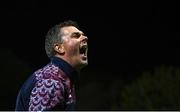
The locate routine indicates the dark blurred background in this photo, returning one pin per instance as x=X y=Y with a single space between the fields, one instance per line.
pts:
x=133 y=54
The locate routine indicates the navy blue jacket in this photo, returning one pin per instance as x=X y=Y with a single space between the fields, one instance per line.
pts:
x=50 y=88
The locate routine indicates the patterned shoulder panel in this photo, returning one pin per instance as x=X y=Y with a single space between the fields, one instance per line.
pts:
x=48 y=91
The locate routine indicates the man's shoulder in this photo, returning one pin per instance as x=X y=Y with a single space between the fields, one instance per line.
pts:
x=48 y=89
x=50 y=71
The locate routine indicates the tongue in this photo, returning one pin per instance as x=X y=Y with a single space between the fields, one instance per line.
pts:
x=83 y=54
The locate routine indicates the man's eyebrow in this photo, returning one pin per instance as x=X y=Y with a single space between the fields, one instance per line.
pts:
x=81 y=33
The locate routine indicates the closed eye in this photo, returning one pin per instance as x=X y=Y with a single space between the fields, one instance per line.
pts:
x=76 y=34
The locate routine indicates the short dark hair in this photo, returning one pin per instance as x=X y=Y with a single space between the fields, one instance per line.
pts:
x=54 y=35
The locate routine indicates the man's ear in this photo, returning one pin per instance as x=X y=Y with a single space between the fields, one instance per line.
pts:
x=59 y=48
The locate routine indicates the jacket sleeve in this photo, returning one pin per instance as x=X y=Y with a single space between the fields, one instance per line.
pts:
x=47 y=94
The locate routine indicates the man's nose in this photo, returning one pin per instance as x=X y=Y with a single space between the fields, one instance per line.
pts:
x=85 y=39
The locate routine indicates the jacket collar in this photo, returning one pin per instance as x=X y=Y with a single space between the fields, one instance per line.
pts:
x=66 y=67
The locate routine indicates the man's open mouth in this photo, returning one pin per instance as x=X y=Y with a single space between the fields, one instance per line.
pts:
x=83 y=51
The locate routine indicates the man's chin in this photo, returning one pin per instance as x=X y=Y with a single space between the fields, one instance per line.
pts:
x=84 y=63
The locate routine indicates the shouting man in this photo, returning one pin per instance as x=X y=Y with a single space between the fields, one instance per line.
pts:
x=52 y=87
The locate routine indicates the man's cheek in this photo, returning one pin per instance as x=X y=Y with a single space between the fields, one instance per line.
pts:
x=73 y=50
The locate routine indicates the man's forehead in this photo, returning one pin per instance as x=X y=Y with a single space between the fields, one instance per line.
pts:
x=70 y=29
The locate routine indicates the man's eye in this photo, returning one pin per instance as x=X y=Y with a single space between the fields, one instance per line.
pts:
x=76 y=35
